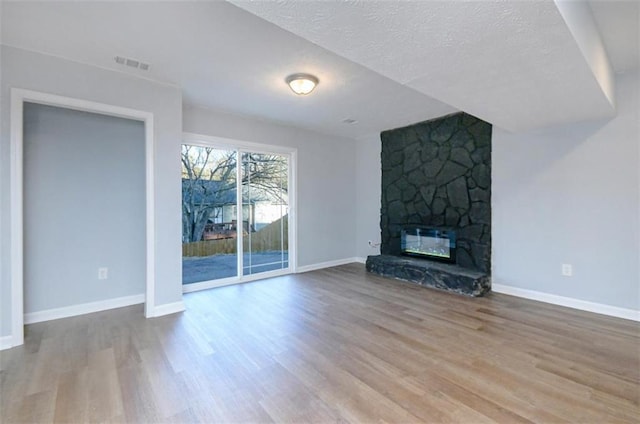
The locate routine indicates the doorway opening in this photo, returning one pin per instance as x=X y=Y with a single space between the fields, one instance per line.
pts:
x=18 y=99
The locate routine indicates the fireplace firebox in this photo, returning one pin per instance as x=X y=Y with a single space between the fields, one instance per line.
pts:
x=428 y=242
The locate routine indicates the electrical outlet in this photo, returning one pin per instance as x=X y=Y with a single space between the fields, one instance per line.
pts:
x=103 y=273
x=567 y=270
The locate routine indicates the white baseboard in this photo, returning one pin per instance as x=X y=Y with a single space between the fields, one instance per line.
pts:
x=6 y=342
x=329 y=264
x=83 y=308
x=598 y=308
x=360 y=260
x=166 y=309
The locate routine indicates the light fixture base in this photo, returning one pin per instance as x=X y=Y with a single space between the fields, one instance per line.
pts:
x=302 y=84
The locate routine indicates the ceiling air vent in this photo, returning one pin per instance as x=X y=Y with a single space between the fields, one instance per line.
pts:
x=132 y=63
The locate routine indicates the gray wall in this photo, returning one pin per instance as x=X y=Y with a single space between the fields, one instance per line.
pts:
x=49 y=74
x=571 y=195
x=326 y=179
x=368 y=195
x=84 y=207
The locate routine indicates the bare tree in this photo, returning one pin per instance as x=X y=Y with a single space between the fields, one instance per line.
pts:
x=264 y=177
x=209 y=182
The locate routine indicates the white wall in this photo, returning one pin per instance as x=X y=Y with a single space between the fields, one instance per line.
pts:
x=571 y=195
x=369 y=186
x=48 y=74
x=326 y=179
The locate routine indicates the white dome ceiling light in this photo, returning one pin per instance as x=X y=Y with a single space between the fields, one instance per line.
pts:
x=302 y=84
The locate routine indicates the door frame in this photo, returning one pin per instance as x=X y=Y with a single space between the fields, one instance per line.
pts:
x=247 y=146
x=18 y=98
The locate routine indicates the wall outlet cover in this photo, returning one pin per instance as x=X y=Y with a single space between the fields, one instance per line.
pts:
x=103 y=273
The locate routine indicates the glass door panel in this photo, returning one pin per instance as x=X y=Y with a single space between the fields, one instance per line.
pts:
x=265 y=212
x=209 y=214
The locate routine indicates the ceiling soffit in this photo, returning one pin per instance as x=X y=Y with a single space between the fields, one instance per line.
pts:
x=518 y=65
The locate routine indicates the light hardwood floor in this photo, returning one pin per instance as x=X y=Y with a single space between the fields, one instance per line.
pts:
x=335 y=345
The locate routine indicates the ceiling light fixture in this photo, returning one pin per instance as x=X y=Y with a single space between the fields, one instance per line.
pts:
x=302 y=84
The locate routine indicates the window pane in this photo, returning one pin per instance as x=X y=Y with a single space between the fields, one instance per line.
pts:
x=265 y=212
x=209 y=214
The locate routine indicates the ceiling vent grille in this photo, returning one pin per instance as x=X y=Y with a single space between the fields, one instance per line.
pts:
x=132 y=63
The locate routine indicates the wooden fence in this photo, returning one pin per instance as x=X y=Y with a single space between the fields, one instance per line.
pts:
x=266 y=239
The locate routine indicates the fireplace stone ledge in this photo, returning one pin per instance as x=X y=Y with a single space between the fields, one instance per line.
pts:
x=432 y=274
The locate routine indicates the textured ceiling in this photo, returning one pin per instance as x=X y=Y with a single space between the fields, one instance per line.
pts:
x=382 y=63
x=513 y=63
x=223 y=58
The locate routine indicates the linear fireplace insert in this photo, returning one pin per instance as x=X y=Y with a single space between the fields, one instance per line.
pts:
x=428 y=242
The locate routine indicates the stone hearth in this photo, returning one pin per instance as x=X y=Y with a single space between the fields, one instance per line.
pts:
x=432 y=274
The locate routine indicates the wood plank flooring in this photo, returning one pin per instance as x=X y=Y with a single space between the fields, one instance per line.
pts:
x=335 y=345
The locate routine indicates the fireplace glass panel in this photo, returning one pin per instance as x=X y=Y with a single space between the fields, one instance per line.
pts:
x=429 y=243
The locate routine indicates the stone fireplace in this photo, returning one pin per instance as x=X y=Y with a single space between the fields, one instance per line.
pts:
x=437 y=174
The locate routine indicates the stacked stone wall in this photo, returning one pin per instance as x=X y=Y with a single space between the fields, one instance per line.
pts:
x=438 y=174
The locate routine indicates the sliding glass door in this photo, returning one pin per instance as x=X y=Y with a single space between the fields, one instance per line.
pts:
x=235 y=214
x=265 y=209
x=209 y=214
